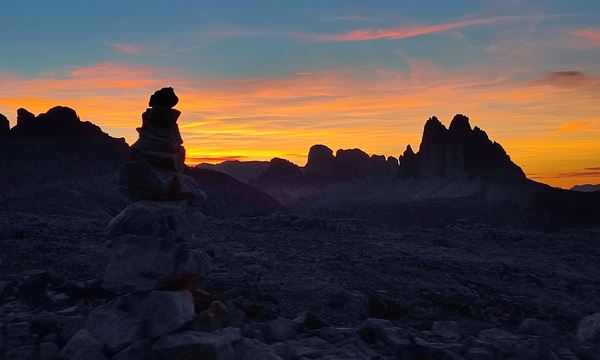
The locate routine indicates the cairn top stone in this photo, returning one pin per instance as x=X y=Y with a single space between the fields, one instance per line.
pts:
x=164 y=97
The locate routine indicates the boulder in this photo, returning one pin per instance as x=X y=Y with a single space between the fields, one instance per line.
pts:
x=141 y=179
x=281 y=329
x=148 y=218
x=588 y=329
x=114 y=327
x=161 y=311
x=140 y=263
x=195 y=345
x=133 y=317
x=83 y=340
x=137 y=351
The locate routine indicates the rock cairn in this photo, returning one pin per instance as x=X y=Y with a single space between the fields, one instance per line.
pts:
x=157 y=166
x=153 y=273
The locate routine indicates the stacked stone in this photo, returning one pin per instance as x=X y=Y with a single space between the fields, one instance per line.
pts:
x=154 y=273
x=157 y=166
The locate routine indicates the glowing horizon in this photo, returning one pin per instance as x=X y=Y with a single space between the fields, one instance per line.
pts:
x=253 y=88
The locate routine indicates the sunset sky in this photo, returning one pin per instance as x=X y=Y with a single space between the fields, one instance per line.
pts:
x=258 y=79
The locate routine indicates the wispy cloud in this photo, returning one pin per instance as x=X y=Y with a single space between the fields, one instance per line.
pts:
x=565 y=78
x=573 y=126
x=589 y=34
x=404 y=32
x=352 y=18
x=126 y=49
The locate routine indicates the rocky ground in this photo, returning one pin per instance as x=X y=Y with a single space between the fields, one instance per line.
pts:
x=302 y=287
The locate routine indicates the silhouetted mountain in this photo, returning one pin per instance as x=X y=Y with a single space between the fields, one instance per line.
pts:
x=244 y=171
x=4 y=125
x=52 y=157
x=228 y=197
x=458 y=153
x=321 y=162
x=280 y=172
x=586 y=188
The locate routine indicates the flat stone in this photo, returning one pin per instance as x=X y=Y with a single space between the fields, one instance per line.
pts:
x=148 y=218
x=139 y=263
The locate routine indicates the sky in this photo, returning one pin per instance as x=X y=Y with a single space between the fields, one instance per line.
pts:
x=259 y=79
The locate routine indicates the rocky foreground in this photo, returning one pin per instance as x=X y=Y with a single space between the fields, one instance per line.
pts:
x=296 y=287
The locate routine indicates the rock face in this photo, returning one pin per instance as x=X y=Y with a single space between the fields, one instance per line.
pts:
x=280 y=172
x=458 y=152
x=4 y=125
x=156 y=169
x=321 y=162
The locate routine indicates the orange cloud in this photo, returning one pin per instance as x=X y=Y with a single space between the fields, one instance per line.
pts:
x=380 y=110
x=592 y=35
x=399 y=33
x=572 y=126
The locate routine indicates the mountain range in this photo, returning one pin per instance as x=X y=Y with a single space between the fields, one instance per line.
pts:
x=59 y=164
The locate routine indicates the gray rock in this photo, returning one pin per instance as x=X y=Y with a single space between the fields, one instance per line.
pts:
x=133 y=317
x=70 y=325
x=139 y=263
x=139 y=350
x=160 y=311
x=114 y=328
x=479 y=353
x=141 y=179
x=48 y=350
x=281 y=329
x=148 y=218
x=24 y=352
x=588 y=329
x=88 y=354
x=252 y=349
x=537 y=327
x=193 y=345
x=297 y=350
x=447 y=330
x=18 y=330
x=82 y=341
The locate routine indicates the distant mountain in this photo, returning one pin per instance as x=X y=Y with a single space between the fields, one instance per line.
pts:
x=54 y=162
x=586 y=188
x=458 y=153
x=244 y=171
x=228 y=197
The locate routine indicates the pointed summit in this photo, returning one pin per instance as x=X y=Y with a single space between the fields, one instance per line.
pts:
x=458 y=153
x=460 y=125
x=4 y=125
